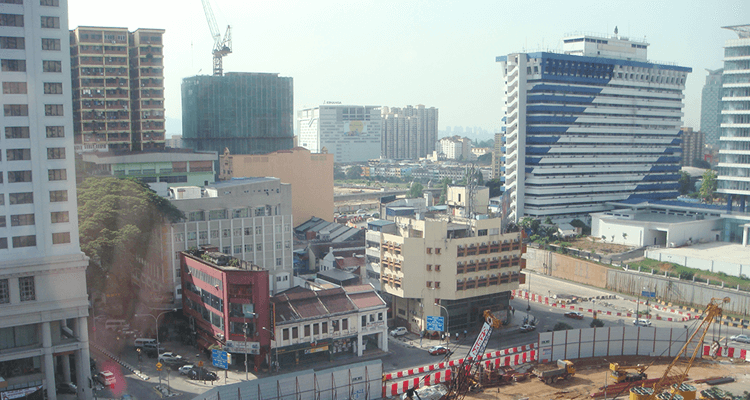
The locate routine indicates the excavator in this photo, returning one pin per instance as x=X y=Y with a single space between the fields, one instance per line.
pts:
x=619 y=372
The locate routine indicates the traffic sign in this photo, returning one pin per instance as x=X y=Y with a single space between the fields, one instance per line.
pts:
x=200 y=363
x=435 y=323
x=646 y=293
x=219 y=359
x=158 y=366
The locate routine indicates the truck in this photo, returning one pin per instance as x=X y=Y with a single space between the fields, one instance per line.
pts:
x=554 y=372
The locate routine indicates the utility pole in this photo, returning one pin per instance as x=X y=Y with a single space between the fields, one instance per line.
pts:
x=246 y=373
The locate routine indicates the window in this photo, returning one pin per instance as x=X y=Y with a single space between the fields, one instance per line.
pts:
x=429 y=267
x=52 y=88
x=214 y=234
x=11 y=20
x=285 y=334
x=295 y=332
x=278 y=245
x=380 y=316
x=51 y=22
x=2 y=225
x=237 y=232
x=4 y=292
x=226 y=250
x=56 y=196
x=287 y=244
x=345 y=324
x=60 y=217
x=248 y=248
x=61 y=238
x=324 y=327
x=21 y=198
x=53 y=110
x=248 y=231
x=196 y=216
x=429 y=284
x=12 y=43
x=278 y=262
x=24 y=241
x=16 y=132
x=437 y=267
x=26 y=287
x=14 y=88
x=259 y=247
x=56 y=153
x=51 y=44
x=192 y=235
x=16 y=110
x=19 y=176
x=51 y=66
x=437 y=250
x=13 y=65
x=307 y=330
x=17 y=154
x=258 y=230
x=238 y=249
x=437 y=285
x=50 y=3
x=225 y=233
x=316 y=329
x=335 y=325
x=179 y=237
x=429 y=250
x=22 y=219
x=203 y=235
x=55 y=131
x=57 y=174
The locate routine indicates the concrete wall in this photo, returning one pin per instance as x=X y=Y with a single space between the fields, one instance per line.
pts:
x=566 y=267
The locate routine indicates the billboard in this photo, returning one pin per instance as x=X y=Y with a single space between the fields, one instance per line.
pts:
x=354 y=128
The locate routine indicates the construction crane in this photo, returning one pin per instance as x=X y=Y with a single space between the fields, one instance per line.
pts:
x=222 y=47
x=462 y=378
x=713 y=311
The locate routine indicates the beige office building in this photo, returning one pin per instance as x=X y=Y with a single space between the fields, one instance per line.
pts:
x=310 y=174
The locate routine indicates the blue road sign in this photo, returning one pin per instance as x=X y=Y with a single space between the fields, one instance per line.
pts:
x=219 y=359
x=646 y=293
x=435 y=323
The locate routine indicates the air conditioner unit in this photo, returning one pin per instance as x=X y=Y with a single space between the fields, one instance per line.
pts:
x=220 y=336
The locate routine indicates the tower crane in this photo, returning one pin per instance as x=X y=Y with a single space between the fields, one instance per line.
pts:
x=222 y=47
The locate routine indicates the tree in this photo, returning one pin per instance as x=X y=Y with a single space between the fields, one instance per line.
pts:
x=496 y=187
x=708 y=186
x=561 y=326
x=699 y=163
x=685 y=183
x=596 y=323
x=548 y=221
x=354 y=172
x=485 y=159
x=338 y=173
x=415 y=190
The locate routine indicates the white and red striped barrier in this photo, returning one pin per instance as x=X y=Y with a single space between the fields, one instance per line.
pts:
x=730 y=352
x=455 y=363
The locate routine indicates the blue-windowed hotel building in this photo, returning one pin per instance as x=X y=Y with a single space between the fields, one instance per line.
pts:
x=596 y=123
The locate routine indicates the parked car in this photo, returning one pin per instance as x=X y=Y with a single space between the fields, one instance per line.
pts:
x=641 y=322
x=202 y=374
x=438 y=350
x=740 y=338
x=527 y=328
x=169 y=357
x=185 y=369
x=400 y=331
x=574 y=315
x=66 y=388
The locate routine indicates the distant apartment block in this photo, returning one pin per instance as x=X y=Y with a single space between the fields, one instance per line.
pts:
x=174 y=142
x=118 y=88
x=408 y=132
x=711 y=107
x=246 y=112
x=455 y=148
x=596 y=124
x=692 y=145
x=311 y=177
x=350 y=133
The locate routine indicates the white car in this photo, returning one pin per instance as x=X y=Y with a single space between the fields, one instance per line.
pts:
x=641 y=322
x=400 y=331
x=740 y=338
x=169 y=357
x=185 y=369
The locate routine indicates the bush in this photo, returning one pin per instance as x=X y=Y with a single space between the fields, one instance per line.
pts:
x=561 y=326
x=596 y=323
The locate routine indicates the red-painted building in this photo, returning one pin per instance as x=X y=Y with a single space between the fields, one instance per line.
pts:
x=222 y=296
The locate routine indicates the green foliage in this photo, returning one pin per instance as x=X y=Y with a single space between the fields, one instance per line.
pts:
x=561 y=326
x=548 y=221
x=596 y=323
x=496 y=187
x=354 y=172
x=708 y=187
x=338 y=173
x=577 y=223
x=698 y=163
x=415 y=191
x=444 y=192
x=686 y=185
x=485 y=159
x=485 y=143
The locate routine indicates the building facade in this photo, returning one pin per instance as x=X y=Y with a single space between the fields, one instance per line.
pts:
x=118 y=88
x=408 y=132
x=249 y=219
x=228 y=304
x=311 y=177
x=455 y=148
x=692 y=145
x=711 y=107
x=43 y=299
x=598 y=123
x=447 y=264
x=734 y=161
x=350 y=133
x=248 y=113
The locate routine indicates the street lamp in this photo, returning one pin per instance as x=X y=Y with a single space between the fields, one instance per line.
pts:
x=156 y=323
x=246 y=329
x=276 y=350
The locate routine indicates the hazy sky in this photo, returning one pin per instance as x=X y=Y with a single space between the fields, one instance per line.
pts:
x=437 y=53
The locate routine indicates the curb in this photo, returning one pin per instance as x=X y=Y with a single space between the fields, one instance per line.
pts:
x=117 y=360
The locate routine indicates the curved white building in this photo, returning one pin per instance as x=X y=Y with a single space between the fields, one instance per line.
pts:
x=597 y=123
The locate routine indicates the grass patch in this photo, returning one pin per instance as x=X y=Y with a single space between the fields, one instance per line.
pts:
x=685 y=273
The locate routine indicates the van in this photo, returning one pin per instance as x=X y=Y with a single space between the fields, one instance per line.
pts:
x=641 y=322
x=115 y=324
x=105 y=378
x=144 y=342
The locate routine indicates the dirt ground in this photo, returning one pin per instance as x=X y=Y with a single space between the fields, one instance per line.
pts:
x=601 y=247
x=590 y=378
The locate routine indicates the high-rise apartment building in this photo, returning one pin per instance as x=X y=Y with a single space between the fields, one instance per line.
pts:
x=597 y=123
x=692 y=146
x=711 y=107
x=350 y=133
x=118 y=88
x=43 y=300
x=455 y=148
x=734 y=145
x=248 y=113
x=408 y=132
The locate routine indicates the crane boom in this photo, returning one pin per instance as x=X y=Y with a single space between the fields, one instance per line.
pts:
x=222 y=47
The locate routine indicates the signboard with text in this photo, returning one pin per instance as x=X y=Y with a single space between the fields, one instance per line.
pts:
x=219 y=359
x=235 y=346
x=435 y=323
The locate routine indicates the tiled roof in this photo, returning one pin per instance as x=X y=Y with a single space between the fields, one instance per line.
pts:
x=301 y=303
x=366 y=300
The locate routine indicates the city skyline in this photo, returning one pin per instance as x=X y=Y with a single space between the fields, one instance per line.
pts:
x=339 y=53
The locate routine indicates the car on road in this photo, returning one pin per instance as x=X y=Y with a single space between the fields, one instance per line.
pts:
x=202 y=374
x=438 y=350
x=185 y=369
x=740 y=338
x=169 y=357
x=400 y=331
x=573 y=314
x=66 y=388
x=105 y=378
x=527 y=328
x=641 y=322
